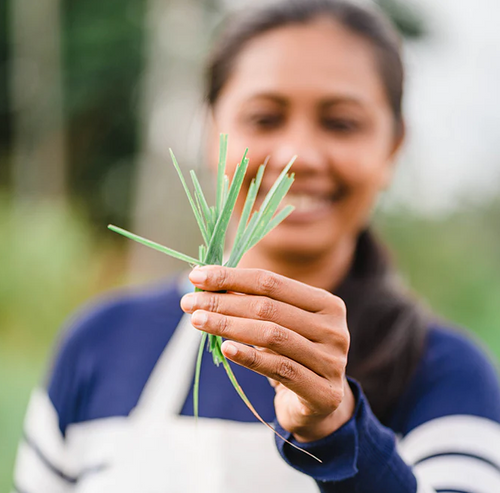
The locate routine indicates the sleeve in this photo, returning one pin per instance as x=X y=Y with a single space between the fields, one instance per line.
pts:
x=43 y=462
x=450 y=444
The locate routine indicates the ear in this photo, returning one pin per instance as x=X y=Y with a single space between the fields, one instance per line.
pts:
x=398 y=143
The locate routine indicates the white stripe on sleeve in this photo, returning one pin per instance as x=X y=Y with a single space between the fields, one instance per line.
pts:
x=42 y=463
x=454 y=453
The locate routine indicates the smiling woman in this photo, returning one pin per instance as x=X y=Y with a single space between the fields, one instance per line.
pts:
x=314 y=309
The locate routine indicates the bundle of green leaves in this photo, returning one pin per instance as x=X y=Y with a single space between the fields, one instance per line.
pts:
x=213 y=222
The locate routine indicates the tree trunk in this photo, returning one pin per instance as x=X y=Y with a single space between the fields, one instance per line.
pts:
x=171 y=117
x=36 y=94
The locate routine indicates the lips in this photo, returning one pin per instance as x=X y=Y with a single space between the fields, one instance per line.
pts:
x=307 y=202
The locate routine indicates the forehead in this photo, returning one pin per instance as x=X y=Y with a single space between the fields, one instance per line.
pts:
x=316 y=59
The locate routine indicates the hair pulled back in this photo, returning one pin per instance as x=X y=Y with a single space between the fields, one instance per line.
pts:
x=387 y=327
x=364 y=20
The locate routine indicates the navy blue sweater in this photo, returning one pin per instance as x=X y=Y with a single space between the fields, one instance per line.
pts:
x=107 y=354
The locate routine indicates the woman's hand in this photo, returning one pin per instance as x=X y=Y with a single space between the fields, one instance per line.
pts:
x=300 y=336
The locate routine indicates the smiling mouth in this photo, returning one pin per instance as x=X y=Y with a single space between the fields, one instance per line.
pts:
x=307 y=202
x=310 y=206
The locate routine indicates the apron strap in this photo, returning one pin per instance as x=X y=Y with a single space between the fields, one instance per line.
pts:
x=167 y=387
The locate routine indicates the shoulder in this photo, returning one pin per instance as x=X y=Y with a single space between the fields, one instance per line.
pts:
x=120 y=315
x=98 y=371
x=454 y=377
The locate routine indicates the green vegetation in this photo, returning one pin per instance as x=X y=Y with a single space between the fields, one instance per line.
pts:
x=50 y=263
x=454 y=264
x=213 y=223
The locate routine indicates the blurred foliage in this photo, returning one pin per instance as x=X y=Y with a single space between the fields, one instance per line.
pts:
x=103 y=58
x=5 y=122
x=409 y=20
x=453 y=263
x=103 y=45
x=51 y=261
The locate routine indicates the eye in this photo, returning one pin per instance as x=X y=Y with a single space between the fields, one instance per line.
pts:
x=340 y=125
x=265 y=121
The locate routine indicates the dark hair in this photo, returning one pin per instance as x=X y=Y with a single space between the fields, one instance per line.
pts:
x=368 y=22
x=387 y=327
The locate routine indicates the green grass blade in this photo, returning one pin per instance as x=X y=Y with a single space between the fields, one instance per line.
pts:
x=214 y=346
x=221 y=171
x=277 y=184
x=279 y=218
x=216 y=246
x=247 y=402
x=225 y=189
x=249 y=203
x=256 y=228
x=270 y=209
x=202 y=201
x=156 y=246
x=196 y=388
x=196 y=212
x=202 y=251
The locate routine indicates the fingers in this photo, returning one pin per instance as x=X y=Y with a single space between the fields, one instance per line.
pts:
x=320 y=395
x=263 y=283
x=315 y=327
x=274 y=337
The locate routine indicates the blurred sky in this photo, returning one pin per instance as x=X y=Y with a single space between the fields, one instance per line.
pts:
x=453 y=107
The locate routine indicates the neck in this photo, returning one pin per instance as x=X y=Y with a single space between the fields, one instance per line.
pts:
x=322 y=271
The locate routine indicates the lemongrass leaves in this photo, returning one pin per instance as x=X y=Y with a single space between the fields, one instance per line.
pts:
x=156 y=246
x=213 y=222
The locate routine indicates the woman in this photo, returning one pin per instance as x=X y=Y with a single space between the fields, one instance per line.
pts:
x=354 y=365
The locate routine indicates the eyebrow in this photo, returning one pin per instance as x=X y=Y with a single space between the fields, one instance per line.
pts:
x=325 y=103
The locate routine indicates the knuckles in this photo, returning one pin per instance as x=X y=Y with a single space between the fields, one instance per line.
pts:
x=253 y=360
x=219 y=278
x=335 y=396
x=223 y=326
x=267 y=282
x=286 y=371
x=265 y=309
x=334 y=305
x=275 y=336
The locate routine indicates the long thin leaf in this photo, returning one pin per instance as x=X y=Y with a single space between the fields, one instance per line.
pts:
x=246 y=400
x=221 y=170
x=249 y=203
x=200 y=196
x=196 y=212
x=196 y=388
x=256 y=227
x=279 y=218
x=156 y=246
x=214 y=254
x=270 y=209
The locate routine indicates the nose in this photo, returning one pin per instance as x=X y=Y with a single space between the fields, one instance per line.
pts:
x=300 y=139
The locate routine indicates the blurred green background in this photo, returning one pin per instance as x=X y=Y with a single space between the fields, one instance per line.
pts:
x=79 y=87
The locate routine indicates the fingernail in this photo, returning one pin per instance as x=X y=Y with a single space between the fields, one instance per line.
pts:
x=188 y=302
x=199 y=318
x=198 y=275
x=230 y=349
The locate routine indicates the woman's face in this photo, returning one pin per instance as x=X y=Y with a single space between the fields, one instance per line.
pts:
x=313 y=90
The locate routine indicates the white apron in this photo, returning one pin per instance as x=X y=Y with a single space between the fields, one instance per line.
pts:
x=155 y=450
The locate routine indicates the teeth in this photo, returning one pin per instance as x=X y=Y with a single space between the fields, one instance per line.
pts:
x=305 y=202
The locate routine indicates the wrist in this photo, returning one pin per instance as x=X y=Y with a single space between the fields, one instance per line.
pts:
x=327 y=425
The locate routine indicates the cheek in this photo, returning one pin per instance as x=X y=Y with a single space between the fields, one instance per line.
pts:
x=364 y=166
